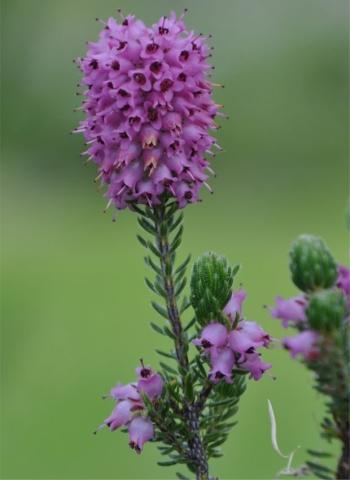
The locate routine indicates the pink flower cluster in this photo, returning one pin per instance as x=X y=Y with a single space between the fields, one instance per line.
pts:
x=292 y=312
x=234 y=347
x=130 y=407
x=148 y=108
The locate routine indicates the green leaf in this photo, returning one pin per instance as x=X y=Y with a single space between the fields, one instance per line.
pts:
x=156 y=328
x=143 y=242
x=159 y=309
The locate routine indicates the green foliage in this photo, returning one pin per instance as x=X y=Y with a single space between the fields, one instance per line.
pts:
x=327 y=310
x=192 y=410
x=312 y=264
x=211 y=286
x=221 y=408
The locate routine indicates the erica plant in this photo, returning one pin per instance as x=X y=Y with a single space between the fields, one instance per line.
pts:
x=321 y=315
x=149 y=111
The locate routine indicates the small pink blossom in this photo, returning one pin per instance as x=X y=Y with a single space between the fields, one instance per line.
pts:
x=213 y=335
x=343 y=281
x=150 y=383
x=141 y=430
x=304 y=344
x=290 y=310
x=234 y=306
x=255 y=365
x=222 y=360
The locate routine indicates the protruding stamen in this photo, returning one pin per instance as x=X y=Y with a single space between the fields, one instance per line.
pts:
x=98 y=176
x=108 y=205
x=208 y=187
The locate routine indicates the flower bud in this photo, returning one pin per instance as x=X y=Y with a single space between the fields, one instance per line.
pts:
x=312 y=264
x=327 y=309
x=211 y=285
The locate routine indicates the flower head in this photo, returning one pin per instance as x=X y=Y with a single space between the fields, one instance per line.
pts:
x=290 y=310
x=141 y=430
x=149 y=109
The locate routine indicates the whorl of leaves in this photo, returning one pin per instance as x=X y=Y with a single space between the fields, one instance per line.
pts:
x=211 y=286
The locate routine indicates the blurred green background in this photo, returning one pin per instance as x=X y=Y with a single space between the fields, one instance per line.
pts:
x=75 y=310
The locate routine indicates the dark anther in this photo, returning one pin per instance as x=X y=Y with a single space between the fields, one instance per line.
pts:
x=94 y=64
x=152 y=48
x=122 y=45
x=166 y=84
x=184 y=55
x=139 y=78
x=152 y=114
x=115 y=65
x=155 y=67
x=123 y=93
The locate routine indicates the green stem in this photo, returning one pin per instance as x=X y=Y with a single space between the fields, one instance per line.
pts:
x=191 y=411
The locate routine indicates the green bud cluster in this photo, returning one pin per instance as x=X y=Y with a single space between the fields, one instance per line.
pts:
x=327 y=310
x=311 y=264
x=211 y=286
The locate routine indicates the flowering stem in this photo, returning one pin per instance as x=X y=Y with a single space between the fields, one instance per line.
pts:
x=191 y=411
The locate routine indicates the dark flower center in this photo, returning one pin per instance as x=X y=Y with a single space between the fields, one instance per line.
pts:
x=122 y=45
x=184 y=55
x=133 y=120
x=125 y=108
x=152 y=48
x=115 y=65
x=123 y=93
x=182 y=77
x=219 y=375
x=163 y=31
x=125 y=22
x=155 y=67
x=94 y=64
x=139 y=78
x=166 y=84
x=175 y=145
x=152 y=114
x=123 y=135
x=188 y=196
x=110 y=85
x=205 y=343
x=145 y=372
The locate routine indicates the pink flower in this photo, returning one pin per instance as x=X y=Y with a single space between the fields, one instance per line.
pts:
x=304 y=344
x=290 y=310
x=213 y=335
x=140 y=431
x=121 y=414
x=150 y=383
x=147 y=89
x=125 y=392
x=343 y=281
x=254 y=332
x=255 y=365
x=222 y=360
x=234 y=305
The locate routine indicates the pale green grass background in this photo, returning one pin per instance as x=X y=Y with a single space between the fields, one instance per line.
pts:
x=75 y=310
